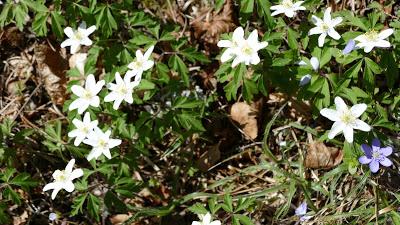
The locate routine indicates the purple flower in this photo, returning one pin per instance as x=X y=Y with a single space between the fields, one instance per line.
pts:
x=349 y=47
x=375 y=155
x=301 y=212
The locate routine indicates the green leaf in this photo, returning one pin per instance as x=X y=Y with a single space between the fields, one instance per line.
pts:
x=20 y=15
x=176 y=63
x=353 y=71
x=249 y=89
x=198 y=209
x=57 y=22
x=228 y=206
x=355 y=21
x=246 y=6
x=193 y=55
x=5 y=13
x=23 y=180
x=375 y=68
x=292 y=39
x=4 y=217
x=36 y=6
x=244 y=220
x=185 y=103
x=78 y=204
x=39 y=25
x=11 y=195
x=93 y=205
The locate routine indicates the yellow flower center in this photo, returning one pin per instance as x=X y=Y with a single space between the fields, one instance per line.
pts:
x=85 y=130
x=61 y=177
x=87 y=95
x=372 y=35
x=122 y=90
x=79 y=36
x=348 y=118
x=325 y=27
x=287 y=3
x=247 y=50
x=102 y=143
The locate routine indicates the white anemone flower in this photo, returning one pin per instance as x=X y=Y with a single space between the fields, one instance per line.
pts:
x=78 y=61
x=140 y=64
x=231 y=45
x=206 y=220
x=243 y=50
x=325 y=27
x=121 y=91
x=78 y=37
x=82 y=128
x=288 y=7
x=63 y=179
x=86 y=96
x=101 y=143
x=314 y=62
x=346 y=120
x=373 y=39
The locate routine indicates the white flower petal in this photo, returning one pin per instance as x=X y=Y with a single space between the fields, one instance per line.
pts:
x=331 y=114
x=69 y=186
x=361 y=125
x=321 y=39
x=358 y=109
x=314 y=63
x=348 y=133
x=337 y=127
x=332 y=33
x=340 y=104
x=385 y=33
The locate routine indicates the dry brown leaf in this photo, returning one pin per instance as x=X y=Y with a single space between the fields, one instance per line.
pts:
x=246 y=116
x=209 y=158
x=209 y=24
x=119 y=219
x=21 y=219
x=51 y=67
x=319 y=156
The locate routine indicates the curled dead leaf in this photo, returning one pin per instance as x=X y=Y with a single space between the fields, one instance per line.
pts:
x=246 y=116
x=319 y=156
x=209 y=24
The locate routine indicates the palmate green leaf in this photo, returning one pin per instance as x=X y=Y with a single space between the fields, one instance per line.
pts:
x=23 y=180
x=244 y=220
x=93 y=206
x=20 y=13
x=190 y=122
x=177 y=64
x=375 y=68
x=227 y=205
x=39 y=24
x=5 y=15
x=354 y=70
x=249 y=89
x=198 y=209
x=193 y=55
x=77 y=206
x=36 y=5
x=11 y=195
x=57 y=23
